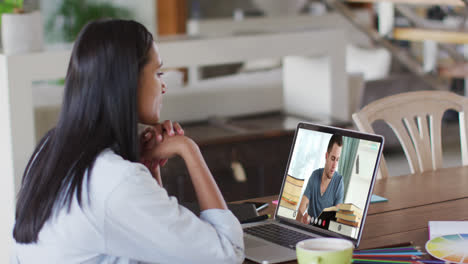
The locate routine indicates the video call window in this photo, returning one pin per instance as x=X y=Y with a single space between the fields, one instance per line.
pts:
x=328 y=181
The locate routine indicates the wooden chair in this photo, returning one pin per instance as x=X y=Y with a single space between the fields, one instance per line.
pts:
x=416 y=119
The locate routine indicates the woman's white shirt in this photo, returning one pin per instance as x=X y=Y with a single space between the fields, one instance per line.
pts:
x=129 y=218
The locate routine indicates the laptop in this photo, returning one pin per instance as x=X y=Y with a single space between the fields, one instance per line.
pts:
x=326 y=192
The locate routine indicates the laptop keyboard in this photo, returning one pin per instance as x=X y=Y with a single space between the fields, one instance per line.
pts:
x=277 y=234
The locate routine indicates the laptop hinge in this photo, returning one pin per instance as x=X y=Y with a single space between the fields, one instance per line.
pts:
x=318 y=231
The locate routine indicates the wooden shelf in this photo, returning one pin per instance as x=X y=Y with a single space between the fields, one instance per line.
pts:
x=416 y=34
x=414 y=2
x=459 y=70
x=251 y=127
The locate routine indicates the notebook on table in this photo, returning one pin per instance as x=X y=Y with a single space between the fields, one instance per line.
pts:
x=442 y=228
x=326 y=192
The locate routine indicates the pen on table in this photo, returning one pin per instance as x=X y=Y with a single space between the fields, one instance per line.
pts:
x=414 y=253
x=360 y=261
x=256 y=219
x=388 y=249
x=405 y=244
x=402 y=258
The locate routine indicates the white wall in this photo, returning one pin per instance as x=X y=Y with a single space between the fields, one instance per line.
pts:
x=7 y=196
x=307 y=85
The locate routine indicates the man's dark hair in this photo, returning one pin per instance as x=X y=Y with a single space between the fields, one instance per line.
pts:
x=335 y=139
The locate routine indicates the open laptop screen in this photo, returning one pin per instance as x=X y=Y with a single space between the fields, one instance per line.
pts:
x=329 y=179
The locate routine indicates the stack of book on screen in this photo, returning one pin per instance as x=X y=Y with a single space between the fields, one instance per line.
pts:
x=348 y=220
x=291 y=192
x=392 y=255
x=349 y=214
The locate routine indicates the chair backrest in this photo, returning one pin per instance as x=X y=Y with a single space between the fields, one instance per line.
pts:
x=415 y=118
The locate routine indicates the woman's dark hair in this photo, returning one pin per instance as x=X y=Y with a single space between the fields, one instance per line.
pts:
x=99 y=111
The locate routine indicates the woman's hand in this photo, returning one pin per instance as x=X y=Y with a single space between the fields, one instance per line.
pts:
x=150 y=138
x=170 y=144
x=175 y=145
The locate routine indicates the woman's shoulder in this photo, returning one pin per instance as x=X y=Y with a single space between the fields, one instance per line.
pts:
x=109 y=161
x=110 y=170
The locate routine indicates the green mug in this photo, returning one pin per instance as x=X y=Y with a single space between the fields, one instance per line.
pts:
x=324 y=251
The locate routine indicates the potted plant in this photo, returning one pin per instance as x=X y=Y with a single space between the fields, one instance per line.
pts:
x=71 y=15
x=21 y=31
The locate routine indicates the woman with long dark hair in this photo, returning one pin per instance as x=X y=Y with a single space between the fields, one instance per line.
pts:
x=85 y=198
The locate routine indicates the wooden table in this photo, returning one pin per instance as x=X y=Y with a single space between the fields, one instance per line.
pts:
x=414 y=200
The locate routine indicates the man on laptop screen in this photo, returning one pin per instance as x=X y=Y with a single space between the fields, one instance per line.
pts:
x=325 y=187
x=326 y=192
